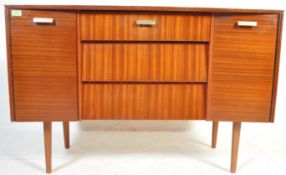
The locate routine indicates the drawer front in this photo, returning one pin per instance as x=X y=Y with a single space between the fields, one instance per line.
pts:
x=144 y=101
x=144 y=62
x=242 y=68
x=44 y=66
x=131 y=26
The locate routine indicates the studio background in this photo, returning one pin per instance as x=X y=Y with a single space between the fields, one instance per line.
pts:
x=144 y=147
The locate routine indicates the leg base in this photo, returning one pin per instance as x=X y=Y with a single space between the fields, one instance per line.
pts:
x=66 y=129
x=48 y=145
x=235 y=144
x=214 y=134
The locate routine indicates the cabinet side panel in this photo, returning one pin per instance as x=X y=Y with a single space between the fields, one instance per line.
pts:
x=277 y=63
x=9 y=62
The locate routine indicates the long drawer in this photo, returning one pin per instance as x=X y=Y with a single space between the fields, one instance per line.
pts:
x=144 y=101
x=142 y=26
x=164 y=62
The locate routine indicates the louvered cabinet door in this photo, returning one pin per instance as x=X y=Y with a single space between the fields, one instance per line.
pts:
x=43 y=57
x=242 y=67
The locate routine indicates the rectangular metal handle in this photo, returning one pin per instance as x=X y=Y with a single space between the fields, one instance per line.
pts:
x=146 y=22
x=247 y=23
x=43 y=20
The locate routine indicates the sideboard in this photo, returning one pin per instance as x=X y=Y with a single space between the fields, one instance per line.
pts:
x=73 y=63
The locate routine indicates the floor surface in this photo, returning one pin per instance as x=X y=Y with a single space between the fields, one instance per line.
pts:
x=143 y=148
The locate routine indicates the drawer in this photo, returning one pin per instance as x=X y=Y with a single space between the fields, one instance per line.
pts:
x=165 y=62
x=144 y=26
x=144 y=101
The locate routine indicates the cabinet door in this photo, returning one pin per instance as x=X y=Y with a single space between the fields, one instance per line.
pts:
x=242 y=67
x=43 y=65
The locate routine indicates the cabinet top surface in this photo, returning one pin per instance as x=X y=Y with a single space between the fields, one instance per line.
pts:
x=140 y=8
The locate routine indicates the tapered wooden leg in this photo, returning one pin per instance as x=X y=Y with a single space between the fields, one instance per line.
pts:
x=214 y=133
x=66 y=128
x=48 y=145
x=235 y=145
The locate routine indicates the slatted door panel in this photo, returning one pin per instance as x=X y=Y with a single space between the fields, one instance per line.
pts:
x=242 y=68
x=44 y=66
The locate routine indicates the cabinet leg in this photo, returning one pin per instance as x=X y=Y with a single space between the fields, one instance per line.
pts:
x=48 y=145
x=66 y=128
x=214 y=133
x=235 y=144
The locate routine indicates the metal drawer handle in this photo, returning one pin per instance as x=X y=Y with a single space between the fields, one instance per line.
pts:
x=145 y=22
x=43 y=20
x=247 y=23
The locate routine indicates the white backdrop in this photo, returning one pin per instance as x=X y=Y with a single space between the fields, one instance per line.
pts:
x=253 y=130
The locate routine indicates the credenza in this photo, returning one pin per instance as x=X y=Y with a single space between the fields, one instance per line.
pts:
x=73 y=63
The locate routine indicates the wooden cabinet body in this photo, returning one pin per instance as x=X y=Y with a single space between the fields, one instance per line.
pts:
x=69 y=63
x=104 y=65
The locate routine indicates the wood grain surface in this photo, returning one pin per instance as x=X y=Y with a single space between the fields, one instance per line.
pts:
x=158 y=62
x=113 y=49
x=235 y=145
x=241 y=101
x=144 y=101
x=277 y=65
x=244 y=54
x=122 y=26
x=9 y=63
x=47 y=127
x=44 y=66
x=45 y=99
x=143 y=9
x=242 y=68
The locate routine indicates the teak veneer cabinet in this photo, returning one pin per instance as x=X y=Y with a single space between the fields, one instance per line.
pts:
x=72 y=63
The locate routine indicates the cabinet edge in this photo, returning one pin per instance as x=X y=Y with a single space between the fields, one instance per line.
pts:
x=276 y=68
x=9 y=63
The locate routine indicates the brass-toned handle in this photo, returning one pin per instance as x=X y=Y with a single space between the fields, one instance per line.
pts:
x=247 y=23
x=145 y=22
x=43 y=20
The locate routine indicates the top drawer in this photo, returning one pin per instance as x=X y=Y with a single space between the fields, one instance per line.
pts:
x=148 y=27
